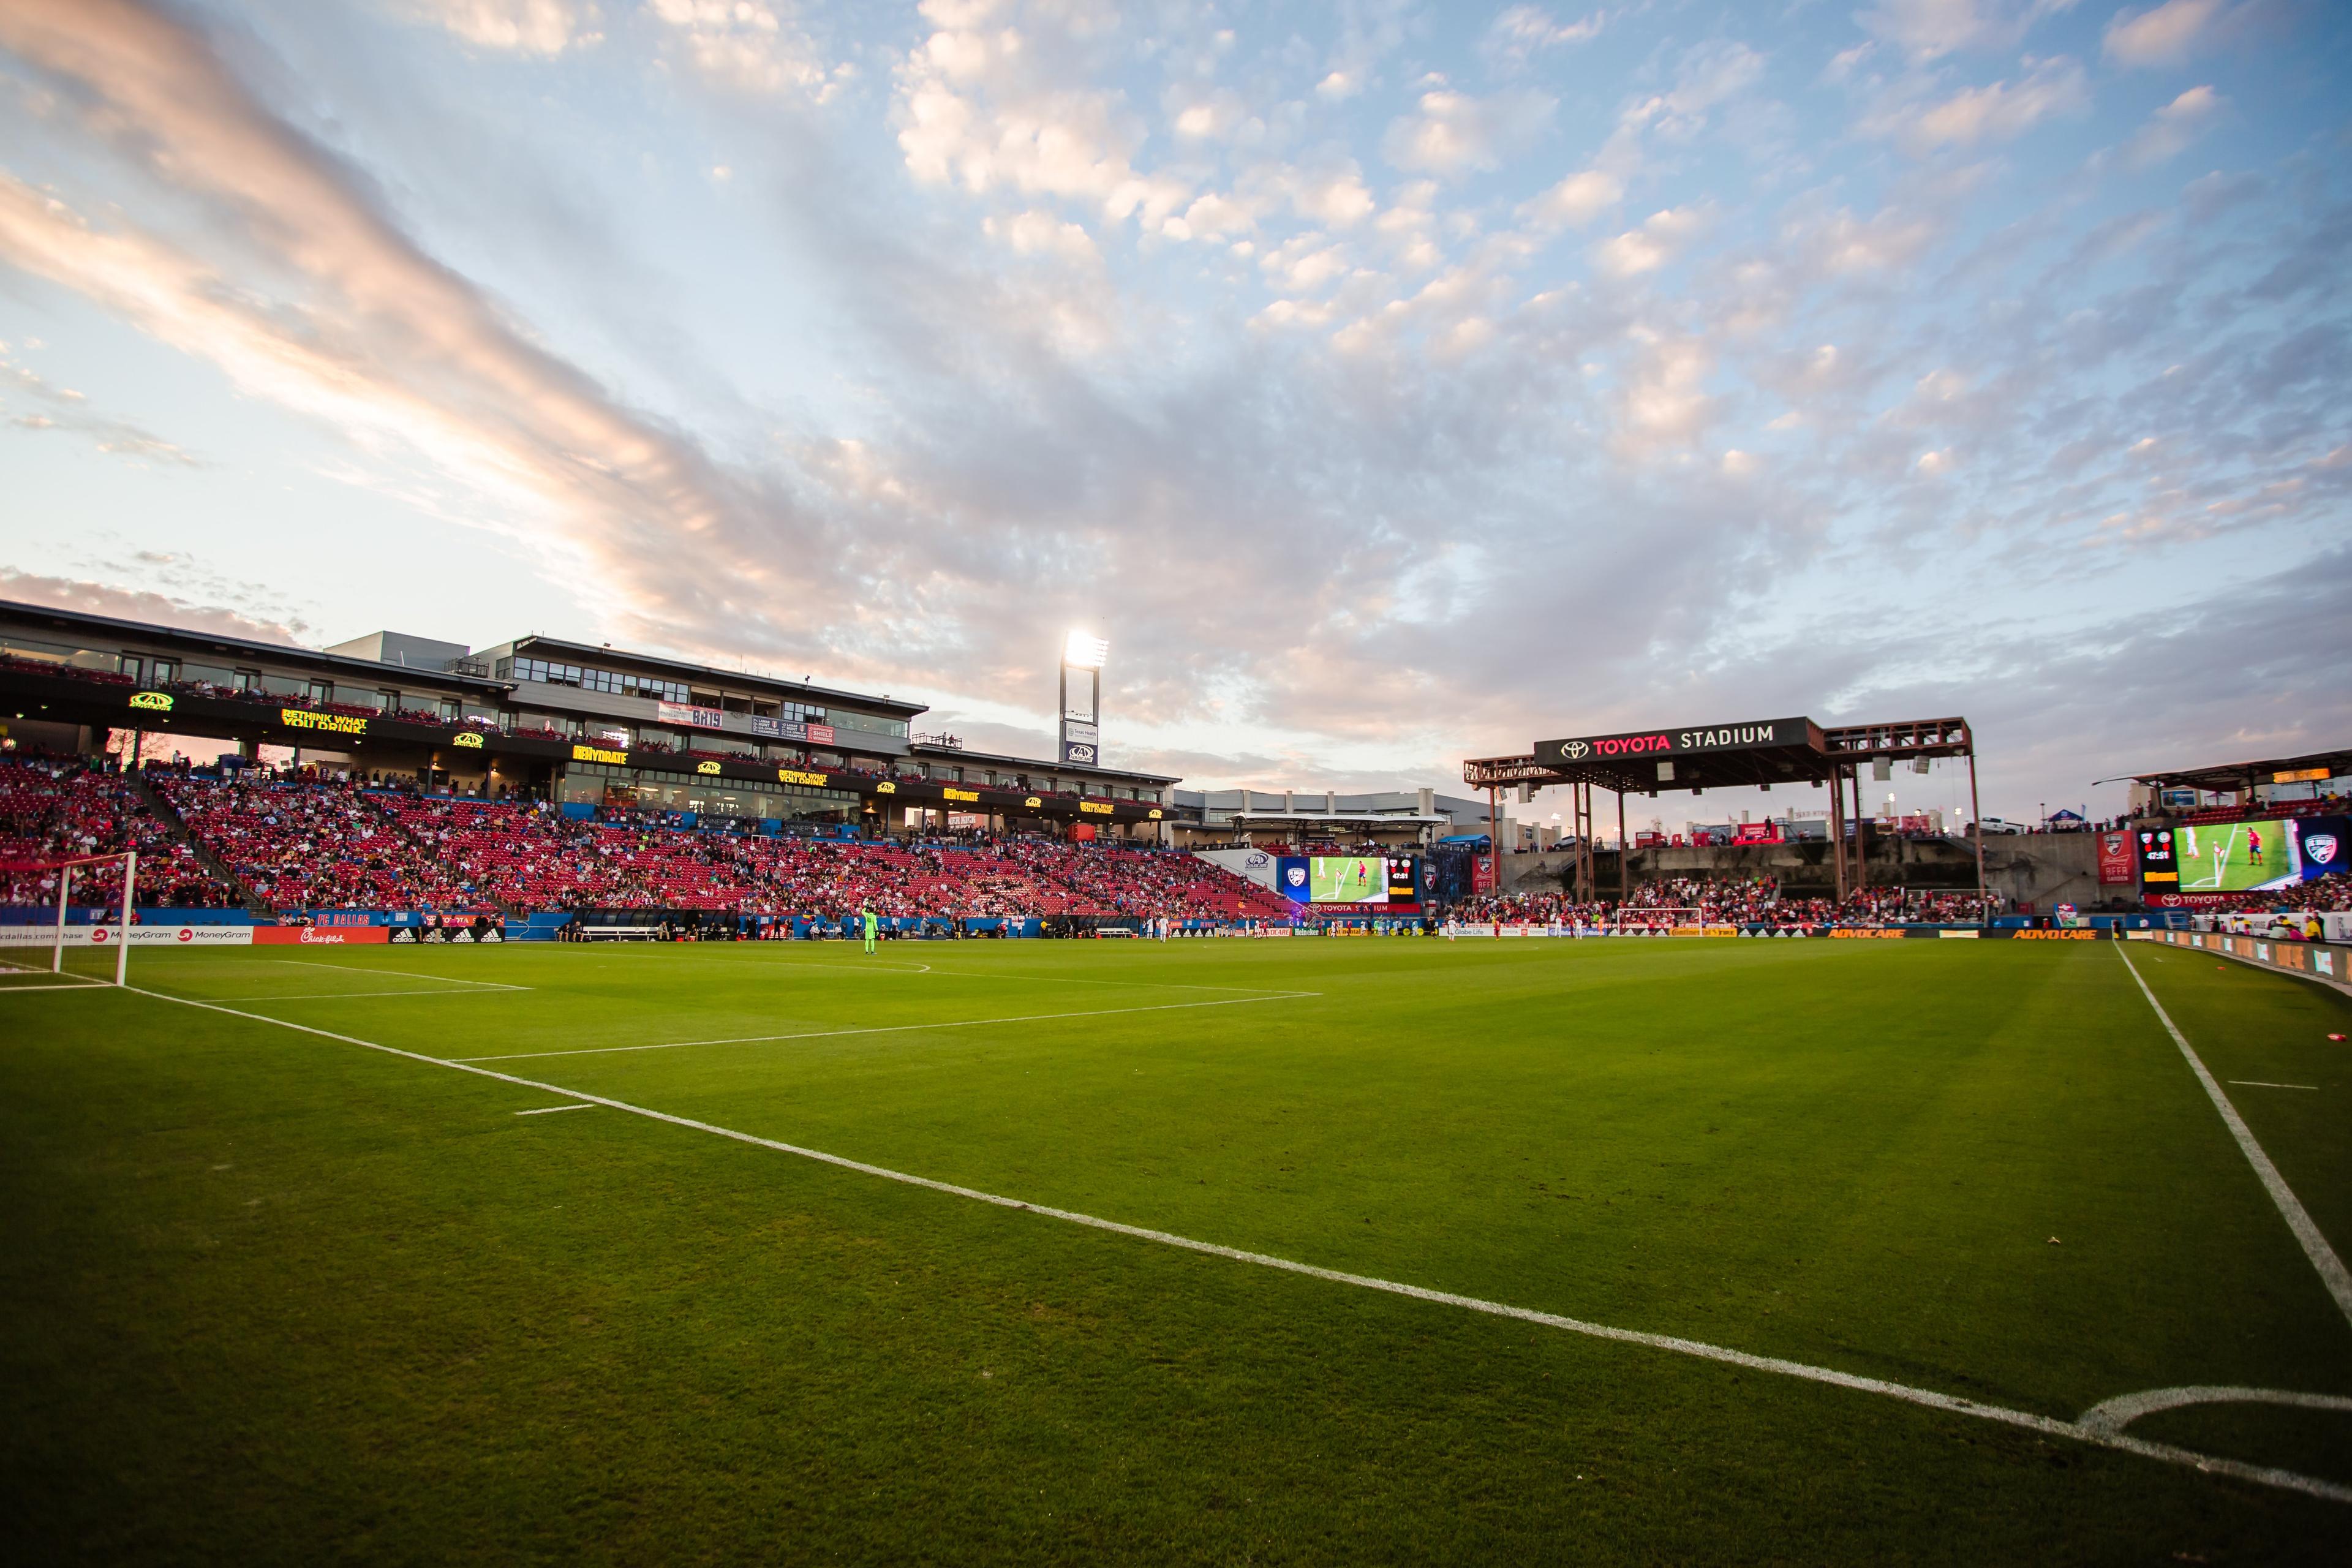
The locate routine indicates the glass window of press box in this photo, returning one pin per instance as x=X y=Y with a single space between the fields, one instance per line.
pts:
x=587 y=679
x=600 y=784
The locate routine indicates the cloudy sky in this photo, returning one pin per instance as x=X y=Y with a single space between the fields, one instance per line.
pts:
x=1389 y=383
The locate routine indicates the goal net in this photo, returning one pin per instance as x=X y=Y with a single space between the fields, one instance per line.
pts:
x=66 y=921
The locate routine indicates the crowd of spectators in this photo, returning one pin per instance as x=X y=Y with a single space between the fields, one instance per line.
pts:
x=296 y=846
x=55 y=808
x=301 y=841
x=1672 y=901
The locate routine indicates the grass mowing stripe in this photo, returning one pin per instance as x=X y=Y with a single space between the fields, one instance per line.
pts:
x=2315 y=1245
x=369 y=968
x=883 y=1028
x=2101 y=1436
x=344 y=995
x=1026 y=979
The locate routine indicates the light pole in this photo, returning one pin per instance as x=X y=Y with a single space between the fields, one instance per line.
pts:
x=1081 y=720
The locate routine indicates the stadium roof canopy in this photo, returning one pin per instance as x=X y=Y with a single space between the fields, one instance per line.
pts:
x=713 y=675
x=82 y=623
x=1746 y=754
x=2312 y=766
x=931 y=752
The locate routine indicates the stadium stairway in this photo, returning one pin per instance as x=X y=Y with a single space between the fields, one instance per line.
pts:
x=169 y=815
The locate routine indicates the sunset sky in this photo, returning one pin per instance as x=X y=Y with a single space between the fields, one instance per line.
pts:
x=1387 y=383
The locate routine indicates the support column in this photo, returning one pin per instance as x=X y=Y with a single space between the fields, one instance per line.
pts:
x=1837 y=834
x=1623 y=852
x=1493 y=842
x=1976 y=826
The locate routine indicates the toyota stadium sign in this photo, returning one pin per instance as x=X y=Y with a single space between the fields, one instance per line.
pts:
x=1754 y=734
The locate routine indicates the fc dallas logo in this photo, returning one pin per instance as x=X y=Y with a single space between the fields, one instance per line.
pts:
x=2319 y=847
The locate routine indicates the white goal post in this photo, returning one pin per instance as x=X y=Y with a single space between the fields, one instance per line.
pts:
x=56 y=936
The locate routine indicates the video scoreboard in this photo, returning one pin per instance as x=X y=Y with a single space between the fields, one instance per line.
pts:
x=1372 y=879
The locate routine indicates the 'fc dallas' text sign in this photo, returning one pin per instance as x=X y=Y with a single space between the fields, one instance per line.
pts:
x=1746 y=736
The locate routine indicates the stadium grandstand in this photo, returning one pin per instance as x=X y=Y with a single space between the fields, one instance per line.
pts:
x=540 y=784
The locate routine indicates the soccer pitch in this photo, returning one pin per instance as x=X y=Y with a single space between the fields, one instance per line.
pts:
x=1672 y=1251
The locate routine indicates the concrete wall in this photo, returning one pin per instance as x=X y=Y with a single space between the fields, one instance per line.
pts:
x=2040 y=869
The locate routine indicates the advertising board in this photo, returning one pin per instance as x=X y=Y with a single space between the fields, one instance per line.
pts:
x=1748 y=735
x=140 y=936
x=2116 y=868
x=320 y=936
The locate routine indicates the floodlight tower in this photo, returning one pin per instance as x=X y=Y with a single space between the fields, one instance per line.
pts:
x=1082 y=717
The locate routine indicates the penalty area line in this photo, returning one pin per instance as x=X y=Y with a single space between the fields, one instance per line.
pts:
x=2298 y=1220
x=880 y=1029
x=2104 y=1435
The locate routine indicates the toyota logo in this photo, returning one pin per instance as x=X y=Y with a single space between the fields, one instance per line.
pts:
x=1573 y=749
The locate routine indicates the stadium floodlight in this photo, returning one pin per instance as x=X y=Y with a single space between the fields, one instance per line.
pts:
x=1083 y=651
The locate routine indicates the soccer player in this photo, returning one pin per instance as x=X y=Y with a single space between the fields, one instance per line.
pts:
x=872 y=927
x=2255 y=846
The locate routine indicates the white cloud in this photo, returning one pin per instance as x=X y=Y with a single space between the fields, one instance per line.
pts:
x=979 y=106
x=1577 y=200
x=2171 y=129
x=2162 y=36
x=1999 y=112
x=1658 y=241
x=746 y=45
x=1526 y=30
x=1709 y=76
x=1847 y=61
x=1036 y=233
x=1929 y=29
x=1665 y=403
x=524 y=26
x=1454 y=132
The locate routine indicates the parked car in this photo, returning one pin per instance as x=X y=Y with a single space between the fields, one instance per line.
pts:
x=1995 y=824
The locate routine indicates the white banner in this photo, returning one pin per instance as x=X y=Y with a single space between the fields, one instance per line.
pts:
x=140 y=936
x=694 y=718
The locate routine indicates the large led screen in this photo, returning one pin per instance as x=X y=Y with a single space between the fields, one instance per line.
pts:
x=2238 y=856
x=1348 y=879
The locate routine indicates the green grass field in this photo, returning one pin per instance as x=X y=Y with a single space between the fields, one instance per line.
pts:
x=276 y=1296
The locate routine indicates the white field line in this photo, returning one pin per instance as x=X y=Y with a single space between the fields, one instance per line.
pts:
x=551 y=1110
x=398 y=974
x=2080 y=1431
x=67 y=985
x=2314 y=1245
x=884 y=1029
x=2257 y=1083
x=347 y=995
x=2115 y=1414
